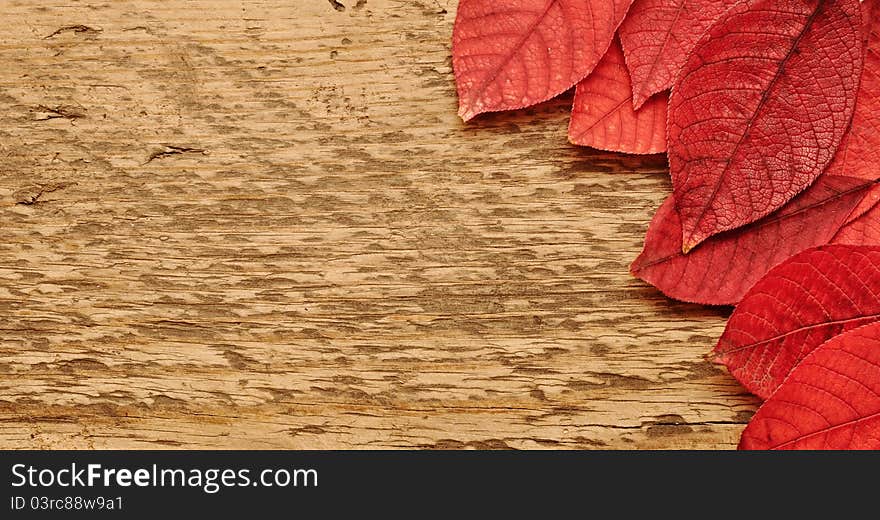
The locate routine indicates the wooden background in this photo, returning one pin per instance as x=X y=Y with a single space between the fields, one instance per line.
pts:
x=260 y=224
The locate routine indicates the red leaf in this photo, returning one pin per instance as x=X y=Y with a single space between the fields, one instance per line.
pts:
x=831 y=401
x=859 y=154
x=603 y=117
x=721 y=270
x=759 y=109
x=658 y=36
x=511 y=54
x=863 y=231
x=799 y=305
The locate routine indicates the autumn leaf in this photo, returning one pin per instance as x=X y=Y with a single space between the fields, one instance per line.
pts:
x=859 y=154
x=722 y=269
x=831 y=401
x=510 y=54
x=603 y=117
x=658 y=36
x=759 y=109
x=800 y=304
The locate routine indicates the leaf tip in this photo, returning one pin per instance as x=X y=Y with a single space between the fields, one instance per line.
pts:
x=692 y=240
x=466 y=113
x=639 y=100
x=715 y=357
x=635 y=268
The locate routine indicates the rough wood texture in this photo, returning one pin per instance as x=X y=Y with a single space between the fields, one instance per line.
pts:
x=260 y=224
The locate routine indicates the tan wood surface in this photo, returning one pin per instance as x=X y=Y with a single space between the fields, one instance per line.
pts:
x=260 y=224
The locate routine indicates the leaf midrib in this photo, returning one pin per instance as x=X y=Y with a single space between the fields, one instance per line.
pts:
x=778 y=218
x=656 y=61
x=764 y=99
x=842 y=321
x=850 y=423
x=478 y=93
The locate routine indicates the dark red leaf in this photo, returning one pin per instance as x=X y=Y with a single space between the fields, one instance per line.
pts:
x=722 y=269
x=831 y=401
x=800 y=304
x=511 y=54
x=658 y=36
x=759 y=109
x=603 y=117
x=859 y=154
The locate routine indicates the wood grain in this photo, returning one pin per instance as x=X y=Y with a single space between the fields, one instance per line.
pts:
x=260 y=224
